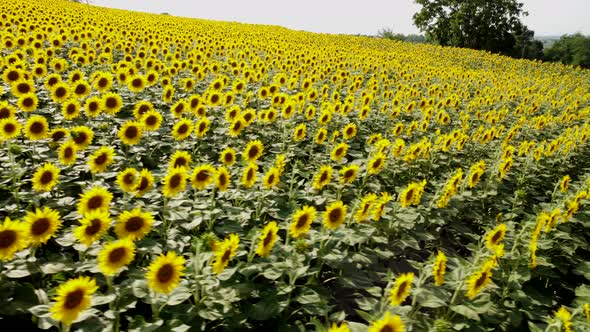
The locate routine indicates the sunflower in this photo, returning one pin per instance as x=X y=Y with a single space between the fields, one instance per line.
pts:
x=96 y=199
x=128 y=180
x=13 y=238
x=564 y=317
x=249 y=116
x=92 y=227
x=224 y=252
x=103 y=82
x=46 y=177
x=202 y=176
x=349 y=131
x=412 y=195
x=388 y=323
x=82 y=136
x=28 y=102
x=228 y=156
x=202 y=127
x=320 y=136
x=141 y=108
x=73 y=297
x=253 y=151
x=42 y=225
x=144 y=183
x=36 y=128
x=376 y=163
x=299 y=133
x=280 y=163
x=164 y=272
x=130 y=132
x=322 y=177
x=136 y=83
x=339 y=151
x=565 y=183
x=174 y=182
x=70 y=109
x=271 y=178
x=180 y=159
x=496 y=236
x=249 y=175
x=67 y=153
x=236 y=127
x=402 y=287
x=115 y=256
x=222 y=178
x=22 y=87
x=81 y=89
x=111 y=103
x=479 y=280
x=214 y=98
x=101 y=159
x=182 y=129
x=151 y=120
x=93 y=106
x=168 y=93
x=302 y=220
x=439 y=267
x=7 y=111
x=9 y=129
x=59 y=133
x=378 y=208
x=334 y=215
x=134 y=224
x=365 y=207
x=268 y=238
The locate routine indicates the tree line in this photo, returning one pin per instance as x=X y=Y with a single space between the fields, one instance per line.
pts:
x=494 y=26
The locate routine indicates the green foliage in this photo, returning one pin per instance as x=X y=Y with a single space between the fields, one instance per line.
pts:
x=571 y=50
x=478 y=24
x=411 y=38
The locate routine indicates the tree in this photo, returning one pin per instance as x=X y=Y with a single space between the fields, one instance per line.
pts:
x=479 y=24
x=571 y=50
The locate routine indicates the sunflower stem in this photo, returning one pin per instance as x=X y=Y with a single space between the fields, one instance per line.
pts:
x=211 y=208
x=155 y=308
x=65 y=327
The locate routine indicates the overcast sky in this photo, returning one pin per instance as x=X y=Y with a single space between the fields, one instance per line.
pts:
x=546 y=17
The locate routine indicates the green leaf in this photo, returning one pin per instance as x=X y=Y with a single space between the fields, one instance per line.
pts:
x=465 y=311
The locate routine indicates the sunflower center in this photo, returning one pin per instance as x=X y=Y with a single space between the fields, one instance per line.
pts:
x=335 y=215
x=496 y=237
x=402 y=288
x=95 y=202
x=134 y=224
x=131 y=132
x=253 y=152
x=101 y=159
x=250 y=174
x=40 y=226
x=222 y=180
x=103 y=82
x=93 y=107
x=9 y=128
x=37 y=127
x=377 y=163
x=137 y=83
x=7 y=238
x=117 y=255
x=323 y=176
x=202 y=127
x=339 y=151
x=4 y=113
x=180 y=162
x=182 y=129
x=271 y=178
x=13 y=76
x=302 y=221
x=71 y=109
x=175 y=181
x=480 y=281
x=111 y=102
x=23 y=88
x=128 y=178
x=150 y=120
x=93 y=228
x=142 y=184
x=80 y=89
x=28 y=102
x=68 y=152
x=202 y=176
x=228 y=158
x=165 y=273
x=80 y=138
x=74 y=299
x=58 y=135
x=46 y=177
x=348 y=174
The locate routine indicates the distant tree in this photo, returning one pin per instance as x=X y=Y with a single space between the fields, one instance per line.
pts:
x=388 y=33
x=479 y=24
x=571 y=50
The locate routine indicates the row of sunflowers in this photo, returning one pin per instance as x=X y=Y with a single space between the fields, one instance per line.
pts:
x=171 y=174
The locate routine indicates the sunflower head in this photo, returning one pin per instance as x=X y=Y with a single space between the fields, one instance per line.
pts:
x=42 y=225
x=268 y=238
x=164 y=272
x=115 y=256
x=72 y=298
x=302 y=220
x=13 y=238
x=46 y=177
x=92 y=227
x=334 y=215
x=134 y=224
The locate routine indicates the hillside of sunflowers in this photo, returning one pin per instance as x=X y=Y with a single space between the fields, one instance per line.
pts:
x=171 y=174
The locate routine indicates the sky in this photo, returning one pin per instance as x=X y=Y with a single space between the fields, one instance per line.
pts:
x=546 y=17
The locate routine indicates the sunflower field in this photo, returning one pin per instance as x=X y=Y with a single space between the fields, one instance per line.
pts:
x=160 y=173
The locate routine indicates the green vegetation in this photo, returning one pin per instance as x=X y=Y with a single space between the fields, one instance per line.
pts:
x=571 y=50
